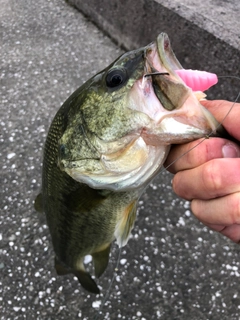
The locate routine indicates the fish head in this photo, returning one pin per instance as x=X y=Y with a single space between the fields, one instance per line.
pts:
x=120 y=124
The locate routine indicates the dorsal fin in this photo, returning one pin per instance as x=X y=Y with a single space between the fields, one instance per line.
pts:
x=125 y=224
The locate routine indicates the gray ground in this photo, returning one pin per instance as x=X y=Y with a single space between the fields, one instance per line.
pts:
x=172 y=268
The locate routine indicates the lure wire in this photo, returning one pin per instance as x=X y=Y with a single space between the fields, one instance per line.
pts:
x=107 y=294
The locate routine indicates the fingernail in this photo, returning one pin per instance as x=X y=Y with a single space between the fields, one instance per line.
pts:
x=230 y=151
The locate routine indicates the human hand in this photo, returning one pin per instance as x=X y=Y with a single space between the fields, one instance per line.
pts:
x=209 y=175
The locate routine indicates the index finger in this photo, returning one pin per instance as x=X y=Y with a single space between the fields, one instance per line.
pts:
x=194 y=154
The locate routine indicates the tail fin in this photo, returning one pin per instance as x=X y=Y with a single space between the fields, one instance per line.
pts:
x=84 y=278
x=86 y=281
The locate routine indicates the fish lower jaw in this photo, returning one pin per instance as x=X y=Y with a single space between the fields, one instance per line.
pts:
x=174 y=131
x=115 y=180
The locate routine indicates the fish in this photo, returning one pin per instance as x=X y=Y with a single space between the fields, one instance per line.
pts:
x=105 y=144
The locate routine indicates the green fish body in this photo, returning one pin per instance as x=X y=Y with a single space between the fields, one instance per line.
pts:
x=105 y=144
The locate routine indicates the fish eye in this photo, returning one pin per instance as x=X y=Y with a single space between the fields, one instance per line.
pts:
x=116 y=77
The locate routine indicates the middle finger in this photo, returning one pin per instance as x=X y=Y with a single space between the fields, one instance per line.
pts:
x=213 y=179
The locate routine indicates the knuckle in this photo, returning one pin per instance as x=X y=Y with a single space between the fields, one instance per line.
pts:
x=212 y=178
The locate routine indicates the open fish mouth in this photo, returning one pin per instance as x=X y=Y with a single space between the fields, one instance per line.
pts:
x=167 y=100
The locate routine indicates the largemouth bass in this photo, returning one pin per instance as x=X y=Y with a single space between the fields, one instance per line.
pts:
x=105 y=144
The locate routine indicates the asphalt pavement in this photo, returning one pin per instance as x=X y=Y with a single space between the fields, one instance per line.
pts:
x=172 y=268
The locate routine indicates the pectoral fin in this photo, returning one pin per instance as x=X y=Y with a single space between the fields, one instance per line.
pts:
x=125 y=224
x=100 y=260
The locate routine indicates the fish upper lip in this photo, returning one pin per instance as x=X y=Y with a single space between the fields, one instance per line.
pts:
x=161 y=58
x=166 y=54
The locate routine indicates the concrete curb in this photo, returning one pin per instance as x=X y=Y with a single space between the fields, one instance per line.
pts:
x=203 y=36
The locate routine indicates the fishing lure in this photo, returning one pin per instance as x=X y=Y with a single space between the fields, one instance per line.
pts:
x=197 y=80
